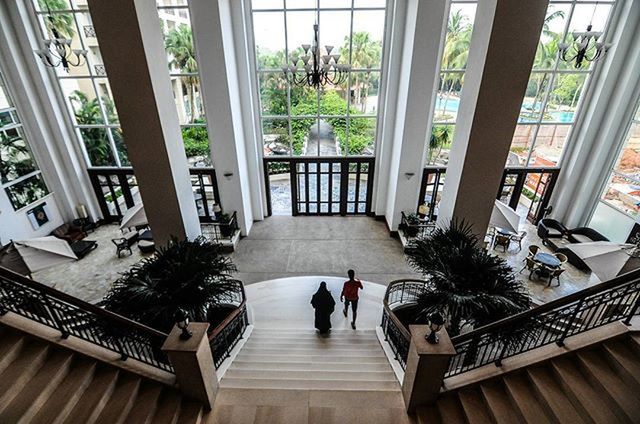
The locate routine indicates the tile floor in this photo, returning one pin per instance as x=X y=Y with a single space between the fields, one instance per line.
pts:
x=282 y=246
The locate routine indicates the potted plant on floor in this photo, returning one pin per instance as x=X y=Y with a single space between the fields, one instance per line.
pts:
x=191 y=275
x=226 y=229
x=413 y=223
x=469 y=286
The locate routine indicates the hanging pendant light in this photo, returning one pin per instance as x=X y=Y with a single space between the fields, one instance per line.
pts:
x=585 y=45
x=319 y=69
x=58 y=51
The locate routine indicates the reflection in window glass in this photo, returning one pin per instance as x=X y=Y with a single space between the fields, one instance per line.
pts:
x=19 y=173
x=333 y=120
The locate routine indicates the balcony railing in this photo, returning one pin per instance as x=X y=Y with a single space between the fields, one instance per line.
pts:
x=74 y=317
x=614 y=300
x=229 y=332
x=400 y=293
x=221 y=231
x=117 y=190
x=413 y=229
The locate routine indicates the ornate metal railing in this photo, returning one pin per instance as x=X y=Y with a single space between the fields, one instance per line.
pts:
x=553 y=322
x=419 y=229
x=74 y=317
x=229 y=332
x=399 y=293
x=218 y=231
x=614 y=300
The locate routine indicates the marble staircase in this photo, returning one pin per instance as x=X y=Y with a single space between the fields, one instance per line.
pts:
x=597 y=384
x=301 y=359
x=41 y=382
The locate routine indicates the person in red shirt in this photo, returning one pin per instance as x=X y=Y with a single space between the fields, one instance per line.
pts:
x=349 y=295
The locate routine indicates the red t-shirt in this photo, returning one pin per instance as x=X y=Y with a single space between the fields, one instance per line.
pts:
x=350 y=289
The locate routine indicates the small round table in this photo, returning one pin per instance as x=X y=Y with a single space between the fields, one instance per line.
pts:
x=547 y=259
x=504 y=232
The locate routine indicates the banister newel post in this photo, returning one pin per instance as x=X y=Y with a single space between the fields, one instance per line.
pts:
x=193 y=363
x=426 y=367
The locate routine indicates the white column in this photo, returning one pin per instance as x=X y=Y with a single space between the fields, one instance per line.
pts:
x=593 y=146
x=410 y=97
x=222 y=92
x=132 y=47
x=501 y=54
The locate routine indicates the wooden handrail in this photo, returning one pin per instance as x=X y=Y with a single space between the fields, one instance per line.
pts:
x=563 y=301
x=81 y=304
x=226 y=321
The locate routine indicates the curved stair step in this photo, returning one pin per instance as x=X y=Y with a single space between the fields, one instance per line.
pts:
x=611 y=386
x=92 y=402
x=579 y=391
x=19 y=372
x=311 y=374
x=474 y=406
x=68 y=392
x=25 y=404
x=324 y=359
x=324 y=351
x=121 y=400
x=524 y=399
x=498 y=404
x=239 y=364
x=302 y=384
x=552 y=396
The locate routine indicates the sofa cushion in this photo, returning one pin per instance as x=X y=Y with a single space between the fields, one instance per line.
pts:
x=554 y=233
x=579 y=238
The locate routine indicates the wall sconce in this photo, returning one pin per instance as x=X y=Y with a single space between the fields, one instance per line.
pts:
x=409 y=175
x=182 y=321
x=228 y=175
x=436 y=322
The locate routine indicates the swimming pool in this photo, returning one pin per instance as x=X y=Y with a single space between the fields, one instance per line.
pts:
x=453 y=104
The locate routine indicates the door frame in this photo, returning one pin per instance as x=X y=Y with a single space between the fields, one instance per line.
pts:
x=346 y=164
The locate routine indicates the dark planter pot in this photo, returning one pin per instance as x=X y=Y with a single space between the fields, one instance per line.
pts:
x=226 y=230
x=411 y=231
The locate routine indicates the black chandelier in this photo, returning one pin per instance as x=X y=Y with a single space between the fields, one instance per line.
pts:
x=585 y=45
x=58 y=49
x=319 y=69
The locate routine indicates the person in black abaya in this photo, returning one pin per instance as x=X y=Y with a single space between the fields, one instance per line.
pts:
x=324 y=305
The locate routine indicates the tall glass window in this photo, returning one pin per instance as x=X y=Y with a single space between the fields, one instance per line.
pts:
x=333 y=120
x=185 y=79
x=19 y=173
x=553 y=97
x=85 y=88
x=623 y=188
x=452 y=71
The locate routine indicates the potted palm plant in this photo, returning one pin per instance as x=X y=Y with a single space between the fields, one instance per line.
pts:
x=226 y=229
x=190 y=275
x=469 y=286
